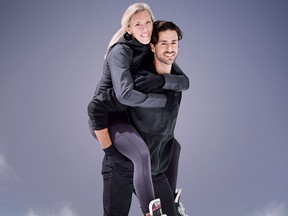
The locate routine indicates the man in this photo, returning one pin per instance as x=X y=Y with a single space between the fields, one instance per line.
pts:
x=155 y=125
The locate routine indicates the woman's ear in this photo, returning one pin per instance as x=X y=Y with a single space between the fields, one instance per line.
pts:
x=128 y=31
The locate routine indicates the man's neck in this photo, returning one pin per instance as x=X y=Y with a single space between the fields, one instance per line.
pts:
x=162 y=68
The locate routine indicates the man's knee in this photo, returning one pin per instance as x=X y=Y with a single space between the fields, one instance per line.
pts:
x=118 y=189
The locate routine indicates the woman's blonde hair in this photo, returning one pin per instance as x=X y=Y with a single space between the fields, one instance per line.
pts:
x=125 y=22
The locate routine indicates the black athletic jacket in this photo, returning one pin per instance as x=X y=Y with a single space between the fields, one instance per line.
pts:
x=156 y=125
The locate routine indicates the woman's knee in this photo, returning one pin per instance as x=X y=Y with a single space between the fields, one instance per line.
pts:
x=145 y=155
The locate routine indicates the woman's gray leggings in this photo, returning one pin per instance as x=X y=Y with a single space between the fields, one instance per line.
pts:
x=128 y=142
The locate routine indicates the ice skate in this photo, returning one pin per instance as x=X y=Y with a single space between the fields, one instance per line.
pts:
x=155 y=208
x=179 y=206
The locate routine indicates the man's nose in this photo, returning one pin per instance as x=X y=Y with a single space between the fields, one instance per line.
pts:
x=169 y=46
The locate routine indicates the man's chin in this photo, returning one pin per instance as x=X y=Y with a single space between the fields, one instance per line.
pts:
x=170 y=61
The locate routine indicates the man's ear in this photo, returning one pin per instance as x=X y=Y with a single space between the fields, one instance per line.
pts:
x=152 y=47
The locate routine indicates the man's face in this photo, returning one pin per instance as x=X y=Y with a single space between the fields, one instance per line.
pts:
x=166 y=49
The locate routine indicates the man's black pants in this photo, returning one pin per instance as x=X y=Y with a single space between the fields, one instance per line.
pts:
x=118 y=190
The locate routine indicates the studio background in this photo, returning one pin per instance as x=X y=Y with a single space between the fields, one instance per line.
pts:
x=233 y=121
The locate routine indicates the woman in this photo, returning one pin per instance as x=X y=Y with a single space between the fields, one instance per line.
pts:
x=126 y=49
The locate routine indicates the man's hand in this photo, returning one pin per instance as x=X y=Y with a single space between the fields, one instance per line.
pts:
x=148 y=81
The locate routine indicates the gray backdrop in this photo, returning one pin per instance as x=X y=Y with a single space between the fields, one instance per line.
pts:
x=233 y=123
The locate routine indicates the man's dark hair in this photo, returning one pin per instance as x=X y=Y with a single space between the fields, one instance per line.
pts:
x=162 y=25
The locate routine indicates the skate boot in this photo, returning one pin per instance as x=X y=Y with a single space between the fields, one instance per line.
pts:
x=155 y=208
x=179 y=206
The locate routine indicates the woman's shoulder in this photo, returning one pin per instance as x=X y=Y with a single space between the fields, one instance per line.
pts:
x=121 y=48
x=121 y=53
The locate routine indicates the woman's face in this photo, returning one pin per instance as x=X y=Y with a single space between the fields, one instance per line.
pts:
x=141 y=26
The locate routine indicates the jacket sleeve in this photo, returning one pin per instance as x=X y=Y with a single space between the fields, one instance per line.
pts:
x=119 y=61
x=100 y=106
x=177 y=81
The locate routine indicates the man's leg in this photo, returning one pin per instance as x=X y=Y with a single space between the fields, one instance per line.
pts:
x=118 y=189
x=172 y=171
x=163 y=191
x=172 y=175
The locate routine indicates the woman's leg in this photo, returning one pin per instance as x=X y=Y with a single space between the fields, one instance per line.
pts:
x=172 y=171
x=128 y=142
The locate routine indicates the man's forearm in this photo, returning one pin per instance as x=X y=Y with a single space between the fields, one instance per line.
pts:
x=103 y=137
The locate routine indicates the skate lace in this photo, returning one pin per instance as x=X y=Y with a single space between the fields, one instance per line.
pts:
x=181 y=209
